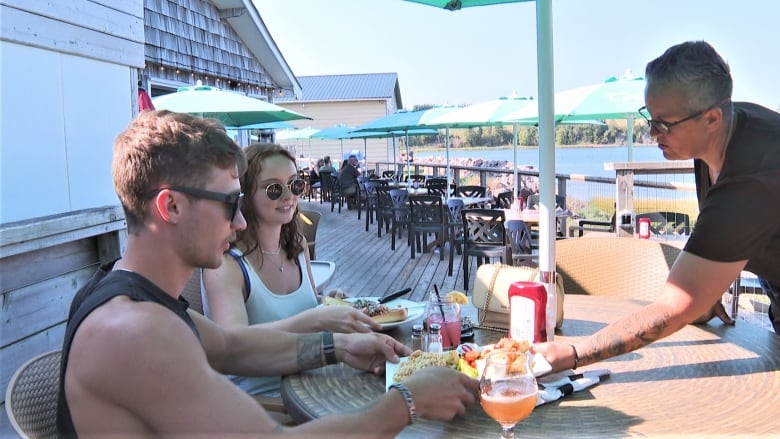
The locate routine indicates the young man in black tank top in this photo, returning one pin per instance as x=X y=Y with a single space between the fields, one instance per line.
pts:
x=136 y=362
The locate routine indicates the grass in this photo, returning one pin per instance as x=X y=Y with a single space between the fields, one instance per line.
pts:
x=601 y=207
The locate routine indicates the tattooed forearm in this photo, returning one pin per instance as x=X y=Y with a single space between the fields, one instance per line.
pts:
x=627 y=335
x=310 y=351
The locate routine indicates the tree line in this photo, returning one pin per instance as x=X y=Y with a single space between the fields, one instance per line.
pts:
x=610 y=133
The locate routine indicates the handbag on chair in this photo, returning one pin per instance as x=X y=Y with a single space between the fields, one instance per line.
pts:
x=491 y=293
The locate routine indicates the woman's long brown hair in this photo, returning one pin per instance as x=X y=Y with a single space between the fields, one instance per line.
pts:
x=291 y=238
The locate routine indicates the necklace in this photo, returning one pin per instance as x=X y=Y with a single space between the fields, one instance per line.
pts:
x=275 y=252
x=278 y=250
x=279 y=267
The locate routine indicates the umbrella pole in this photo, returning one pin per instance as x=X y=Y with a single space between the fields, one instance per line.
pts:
x=395 y=157
x=546 y=73
x=447 y=150
x=630 y=140
x=365 y=155
x=408 y=161
x=515 y=184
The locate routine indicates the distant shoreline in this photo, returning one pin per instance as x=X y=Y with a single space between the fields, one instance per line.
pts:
x=482 y=148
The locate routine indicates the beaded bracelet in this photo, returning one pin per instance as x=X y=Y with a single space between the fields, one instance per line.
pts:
x=576 y=357
x=407 y=395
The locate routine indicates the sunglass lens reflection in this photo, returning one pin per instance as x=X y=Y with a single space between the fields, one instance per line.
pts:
x=297 y=187
x=274 y=191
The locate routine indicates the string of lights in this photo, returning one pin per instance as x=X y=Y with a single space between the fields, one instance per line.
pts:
x=177 y=72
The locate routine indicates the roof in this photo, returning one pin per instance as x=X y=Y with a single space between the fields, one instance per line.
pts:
x=351 y=87
x=243 y=17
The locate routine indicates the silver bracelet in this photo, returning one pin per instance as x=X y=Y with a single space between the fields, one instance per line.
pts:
x=407 y=395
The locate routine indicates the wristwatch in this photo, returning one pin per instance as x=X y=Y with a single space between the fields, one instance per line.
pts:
x=329 y=348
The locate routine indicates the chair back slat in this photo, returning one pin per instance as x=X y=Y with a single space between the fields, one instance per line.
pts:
x=471 y=191
x=308 y=221
x=519 y=236
x=484 y=227
x=484 y=237
x=426 y=209
x=436 y=186
x=326 y=186
x=504 y=200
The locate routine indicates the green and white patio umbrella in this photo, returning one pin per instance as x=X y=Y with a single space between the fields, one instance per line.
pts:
x=488 y=113
x=230 y=108
x=615 y=98
x=385 y=134
x=299 y=134
x=405 y=121
x=279 y=125
x=454 y=5
x=339 y=131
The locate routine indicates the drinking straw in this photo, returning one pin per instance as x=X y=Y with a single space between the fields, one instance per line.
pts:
x=441 y=309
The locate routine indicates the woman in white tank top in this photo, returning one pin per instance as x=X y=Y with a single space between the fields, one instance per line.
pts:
x=265 y=278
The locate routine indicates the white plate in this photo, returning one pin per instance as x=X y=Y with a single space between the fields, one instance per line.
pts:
x=416 y=309
x=541 y=367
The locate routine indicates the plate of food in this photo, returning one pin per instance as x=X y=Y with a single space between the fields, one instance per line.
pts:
x=467 y=358
x=389 y=315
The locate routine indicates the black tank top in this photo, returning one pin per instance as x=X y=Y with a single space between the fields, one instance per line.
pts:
x=102 y=287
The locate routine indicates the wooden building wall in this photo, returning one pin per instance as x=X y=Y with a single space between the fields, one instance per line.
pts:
x=329 y=113
x=187 y=41
x=43 y=262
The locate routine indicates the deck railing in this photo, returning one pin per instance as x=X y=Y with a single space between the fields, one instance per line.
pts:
x=637 y=187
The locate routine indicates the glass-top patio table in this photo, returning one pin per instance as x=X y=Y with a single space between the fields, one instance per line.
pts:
x=709 y=380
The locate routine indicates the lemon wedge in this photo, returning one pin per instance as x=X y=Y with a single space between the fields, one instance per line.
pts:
x=457 y=297
x=465 y=368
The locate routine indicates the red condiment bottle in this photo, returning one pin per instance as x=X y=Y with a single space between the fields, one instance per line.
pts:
x=528 y=311
x=644 y=228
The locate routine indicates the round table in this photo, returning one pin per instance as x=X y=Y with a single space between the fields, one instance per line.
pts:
x=701 y=381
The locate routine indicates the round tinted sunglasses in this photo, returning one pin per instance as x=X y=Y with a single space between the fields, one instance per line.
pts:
x=274 y=190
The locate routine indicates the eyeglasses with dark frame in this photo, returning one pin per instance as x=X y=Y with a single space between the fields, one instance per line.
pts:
x=274 y=190
x=232 y=200
x=664 y=127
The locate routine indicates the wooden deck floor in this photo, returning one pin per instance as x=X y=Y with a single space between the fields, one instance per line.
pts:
x=365 y=265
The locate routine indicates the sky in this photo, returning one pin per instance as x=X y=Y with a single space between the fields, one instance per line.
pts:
x=479 y=54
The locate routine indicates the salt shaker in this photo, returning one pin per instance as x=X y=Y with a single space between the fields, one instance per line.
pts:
x=434 y=338
x=417 y=338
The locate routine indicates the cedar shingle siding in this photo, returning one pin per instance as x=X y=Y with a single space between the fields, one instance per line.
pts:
x=190 y=36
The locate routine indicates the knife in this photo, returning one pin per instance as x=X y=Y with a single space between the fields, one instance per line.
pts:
x=395 y=295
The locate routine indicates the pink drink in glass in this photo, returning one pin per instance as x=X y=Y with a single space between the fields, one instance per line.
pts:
x=450 y=326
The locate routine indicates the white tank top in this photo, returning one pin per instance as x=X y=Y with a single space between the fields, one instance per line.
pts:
x=265 y=306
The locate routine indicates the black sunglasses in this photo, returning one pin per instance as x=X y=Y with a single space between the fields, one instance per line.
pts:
x=664 y=127
x=274 y=190
x=232 y=200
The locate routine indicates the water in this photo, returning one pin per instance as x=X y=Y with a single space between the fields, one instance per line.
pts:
x=583 y=160
x=588 y=161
